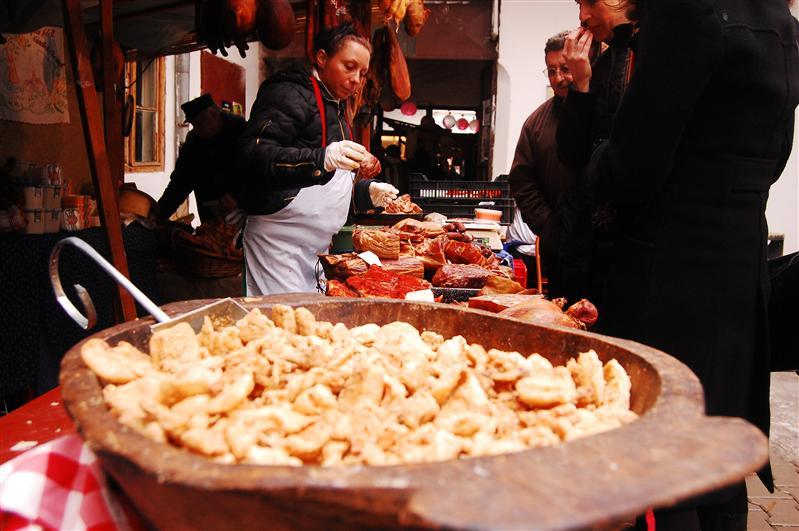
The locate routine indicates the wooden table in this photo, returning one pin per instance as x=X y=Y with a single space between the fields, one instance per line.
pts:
x=40 y=420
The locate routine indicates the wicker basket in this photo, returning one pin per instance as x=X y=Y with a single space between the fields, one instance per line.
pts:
x=195 y=262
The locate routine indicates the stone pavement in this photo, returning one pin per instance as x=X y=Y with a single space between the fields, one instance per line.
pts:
x=779 y=511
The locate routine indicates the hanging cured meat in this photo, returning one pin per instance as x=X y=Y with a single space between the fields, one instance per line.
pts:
x=394 y=9
x=334 y=12
x=311 y=27
x=415 y=17
x=374 y=80
x=243 y=13
x=275 y=23
x=361 y=13
x=397 y=67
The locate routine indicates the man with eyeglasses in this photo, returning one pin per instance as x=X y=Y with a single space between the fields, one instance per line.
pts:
x=537 y=177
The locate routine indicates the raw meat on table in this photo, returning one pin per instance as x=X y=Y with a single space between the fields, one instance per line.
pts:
x=378 y=282
x=385 y=243
x=461 y=276
x=336 y=288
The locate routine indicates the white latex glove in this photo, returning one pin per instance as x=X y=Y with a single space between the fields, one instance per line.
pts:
x=344 y=155
x=382 y=193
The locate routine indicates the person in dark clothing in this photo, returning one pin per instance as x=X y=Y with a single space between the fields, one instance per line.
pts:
x=705 y=128
x=206 y=163
x=597 y=88
x=299 y=160
x=537 y=177
x=394 y=169
x=585 y=221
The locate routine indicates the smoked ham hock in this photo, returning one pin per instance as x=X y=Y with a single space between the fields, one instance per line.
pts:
x=595 y=482
x=275 y=23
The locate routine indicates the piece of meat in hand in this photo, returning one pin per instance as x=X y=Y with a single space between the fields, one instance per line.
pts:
x=370 y=167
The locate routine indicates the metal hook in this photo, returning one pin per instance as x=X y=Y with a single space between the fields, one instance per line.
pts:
x=88 y=322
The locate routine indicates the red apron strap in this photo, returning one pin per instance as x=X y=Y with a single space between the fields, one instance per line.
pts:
x=321 y=105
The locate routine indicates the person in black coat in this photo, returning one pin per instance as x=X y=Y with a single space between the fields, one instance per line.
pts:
x=299 y=162
x=704 y=129
x=583 y=222
x=206 y=163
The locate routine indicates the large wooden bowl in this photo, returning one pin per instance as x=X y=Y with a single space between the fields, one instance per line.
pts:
x=671 y=453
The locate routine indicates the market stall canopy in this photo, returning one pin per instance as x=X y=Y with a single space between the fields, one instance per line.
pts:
x=457 y=30
x=142 y=25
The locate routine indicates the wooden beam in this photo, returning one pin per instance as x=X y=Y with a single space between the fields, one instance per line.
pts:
x=151 y=10
x=112 y=97
x=95 y=147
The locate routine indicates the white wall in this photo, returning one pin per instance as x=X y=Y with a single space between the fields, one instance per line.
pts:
x=154 y=183
x=524 y=27
x=782 y=211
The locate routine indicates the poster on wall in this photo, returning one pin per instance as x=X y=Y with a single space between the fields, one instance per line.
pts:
x=33 y=79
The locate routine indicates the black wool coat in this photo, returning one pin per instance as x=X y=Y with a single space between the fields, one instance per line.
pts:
x=705 y=128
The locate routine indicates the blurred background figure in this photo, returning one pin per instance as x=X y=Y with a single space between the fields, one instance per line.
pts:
x=206 y=163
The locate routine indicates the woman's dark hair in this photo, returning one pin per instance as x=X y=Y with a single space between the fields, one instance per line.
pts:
x=332 y=39
x=634 y=9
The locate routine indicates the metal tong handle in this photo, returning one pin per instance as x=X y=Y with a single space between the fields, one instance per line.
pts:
x=86 y=300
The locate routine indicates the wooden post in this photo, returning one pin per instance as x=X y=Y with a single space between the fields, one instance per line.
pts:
x=95 y=147
x=112 y=97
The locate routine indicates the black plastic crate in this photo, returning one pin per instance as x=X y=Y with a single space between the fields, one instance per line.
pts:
x=458 y=199
x=453 y=190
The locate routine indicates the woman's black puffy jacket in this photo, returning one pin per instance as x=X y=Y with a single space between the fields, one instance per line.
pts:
x=281 y=147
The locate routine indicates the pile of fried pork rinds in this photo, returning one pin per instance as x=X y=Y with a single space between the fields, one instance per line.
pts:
x=291 y=390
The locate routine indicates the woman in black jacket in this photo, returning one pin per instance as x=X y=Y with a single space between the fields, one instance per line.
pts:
x=704 y=129
x=299 y=160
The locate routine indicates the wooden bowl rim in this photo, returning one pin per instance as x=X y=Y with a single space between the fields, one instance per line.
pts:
x=680 y=398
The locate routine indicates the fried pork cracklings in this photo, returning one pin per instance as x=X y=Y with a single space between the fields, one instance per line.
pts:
x=291 y=390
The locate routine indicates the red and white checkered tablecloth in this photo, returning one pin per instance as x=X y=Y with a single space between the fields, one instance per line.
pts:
x=60 y=485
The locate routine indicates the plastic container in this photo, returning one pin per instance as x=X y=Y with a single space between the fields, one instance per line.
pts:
x=35 y=221
x=79 y=202
x=34 y=197
x=52 y=196
x=71 y=219
x=52 y=220
x=488 y=214
x=342 y=241
x=520 y=272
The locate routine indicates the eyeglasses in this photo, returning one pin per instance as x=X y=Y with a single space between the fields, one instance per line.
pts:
x=551 y=72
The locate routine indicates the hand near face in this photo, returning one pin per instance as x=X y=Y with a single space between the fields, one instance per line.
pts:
x=576 y=51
